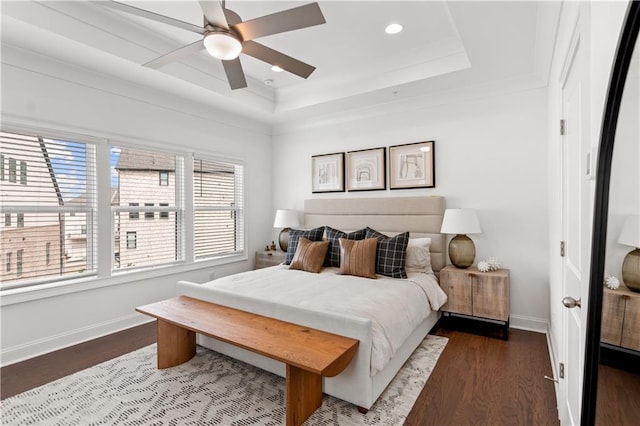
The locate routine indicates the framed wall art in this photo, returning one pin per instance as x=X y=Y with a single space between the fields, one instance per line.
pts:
x=366 y=170
x=327 y=173
x=412 y=166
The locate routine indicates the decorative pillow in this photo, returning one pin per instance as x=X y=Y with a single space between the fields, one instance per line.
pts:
x=418 y=255
x=358 y=257
x=391 y=253
x=309 y=255
x=334 y=235
x=294 y=234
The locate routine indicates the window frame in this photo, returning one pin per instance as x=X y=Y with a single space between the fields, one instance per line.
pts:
x=133 y=246
x=238 y=210
x=23 y=172
x=19 y=262
x=149 y=214
x=103 y=274
x=163 y=176
x=13 y=177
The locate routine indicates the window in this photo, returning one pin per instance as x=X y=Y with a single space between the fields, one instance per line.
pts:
x=157 y=242
x=132 y=240
x=12 y=170
x=164 y=215
x=164 y=178
x=50 y=226
x=1 y=167
x=134 y=215
x=19 y=262
x=149 y=215
x=23 y=173
x=61 y=180
x=218 y=208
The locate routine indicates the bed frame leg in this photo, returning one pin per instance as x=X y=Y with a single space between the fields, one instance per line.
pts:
x=363 y=410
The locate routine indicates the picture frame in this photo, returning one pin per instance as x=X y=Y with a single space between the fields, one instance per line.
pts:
x=412 y=165
x=366 y=170
x=327 y=173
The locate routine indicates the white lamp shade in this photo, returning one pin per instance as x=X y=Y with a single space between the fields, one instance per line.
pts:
x=630 y=234
x=223 y=46
x=286 y=219
x=460 y=221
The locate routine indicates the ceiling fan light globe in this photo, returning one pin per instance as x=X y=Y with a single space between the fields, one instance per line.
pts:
x=223 y=46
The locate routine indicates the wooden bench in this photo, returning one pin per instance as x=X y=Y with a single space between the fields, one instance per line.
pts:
x=308 y=353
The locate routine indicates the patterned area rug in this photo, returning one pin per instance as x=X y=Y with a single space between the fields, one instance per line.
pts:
x=210 y=389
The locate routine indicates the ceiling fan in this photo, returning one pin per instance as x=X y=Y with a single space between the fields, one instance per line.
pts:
x=225 y=36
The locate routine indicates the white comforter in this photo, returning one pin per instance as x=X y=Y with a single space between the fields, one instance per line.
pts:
x=395 y=306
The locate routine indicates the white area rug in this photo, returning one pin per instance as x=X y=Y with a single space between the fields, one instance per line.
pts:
x=210 y=389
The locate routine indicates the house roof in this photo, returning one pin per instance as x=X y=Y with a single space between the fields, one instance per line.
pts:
x=131 y=159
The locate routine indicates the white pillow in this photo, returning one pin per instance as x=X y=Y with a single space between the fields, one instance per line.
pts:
x=418 y=255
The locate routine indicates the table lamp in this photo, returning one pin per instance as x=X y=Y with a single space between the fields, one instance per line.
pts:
x=630 y=236
x=285 y=219
x=462 y=251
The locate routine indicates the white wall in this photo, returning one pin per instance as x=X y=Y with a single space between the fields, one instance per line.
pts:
x=490 y=156
x=45 y=93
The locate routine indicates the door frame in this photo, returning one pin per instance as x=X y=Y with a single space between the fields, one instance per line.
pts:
x=617 y=81
x=574 y=63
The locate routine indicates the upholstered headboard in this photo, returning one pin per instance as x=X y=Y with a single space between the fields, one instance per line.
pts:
x=421 y=216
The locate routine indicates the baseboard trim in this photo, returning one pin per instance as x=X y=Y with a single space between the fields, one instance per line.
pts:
x=28 y=350
x=522 y=322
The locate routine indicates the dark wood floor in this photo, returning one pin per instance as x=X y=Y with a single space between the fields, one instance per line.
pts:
x=22 y=376
x=487 y=381
x=478 y=380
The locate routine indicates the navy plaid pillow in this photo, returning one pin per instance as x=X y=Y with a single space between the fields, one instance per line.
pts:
x=390 y=254
x=334 y=235
x=295 y=234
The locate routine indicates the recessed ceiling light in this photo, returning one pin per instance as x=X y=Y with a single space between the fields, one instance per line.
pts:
x=268 y=82
x=276 y=68
x=393 y=29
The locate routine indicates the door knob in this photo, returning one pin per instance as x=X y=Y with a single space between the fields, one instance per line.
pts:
x=570 y=302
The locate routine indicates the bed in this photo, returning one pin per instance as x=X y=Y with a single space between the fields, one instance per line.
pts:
x=389 y=316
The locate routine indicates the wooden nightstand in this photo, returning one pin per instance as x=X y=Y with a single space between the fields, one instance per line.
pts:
x=621 y=318
x=269 y=258
x=477 y=294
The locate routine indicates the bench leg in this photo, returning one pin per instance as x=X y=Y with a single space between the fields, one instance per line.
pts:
x=303 y=394
x=175 y=344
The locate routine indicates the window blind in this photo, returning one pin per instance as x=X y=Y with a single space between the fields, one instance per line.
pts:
x=48 y=202
x=218 y=196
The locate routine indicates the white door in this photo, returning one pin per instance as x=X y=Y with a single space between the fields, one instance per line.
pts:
x=575 y=228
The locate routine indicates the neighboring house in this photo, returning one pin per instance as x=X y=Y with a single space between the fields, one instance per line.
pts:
x=31 y=243
x=145 y=180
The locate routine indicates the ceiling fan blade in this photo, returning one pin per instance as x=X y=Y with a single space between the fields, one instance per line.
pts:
x=174 y=55
x=235 y=74
x=280 y=22
x=274 y=57
x=153 y=16
x=214 y=13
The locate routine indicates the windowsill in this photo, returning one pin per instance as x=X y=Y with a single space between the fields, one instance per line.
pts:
x=59 y=288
